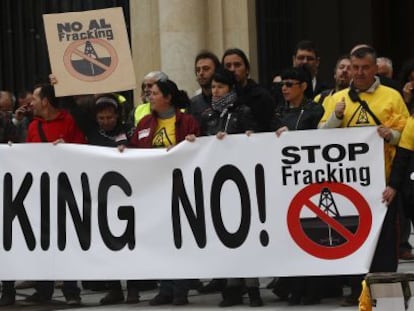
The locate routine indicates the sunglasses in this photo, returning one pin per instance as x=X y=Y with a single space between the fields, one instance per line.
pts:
x=288 y=83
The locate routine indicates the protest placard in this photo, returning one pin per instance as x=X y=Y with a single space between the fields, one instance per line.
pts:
x=89 y=52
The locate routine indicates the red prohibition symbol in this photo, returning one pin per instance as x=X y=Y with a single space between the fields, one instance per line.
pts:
x=82 y=61
x=352 y=240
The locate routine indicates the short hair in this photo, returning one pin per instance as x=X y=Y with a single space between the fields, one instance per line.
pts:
x=306 y=45
x=363 y=51
x=239 y=53
x=386 y=60
x=224 y=76
x=406 y=70
x=23 y=93
x=207 y=54
x=104 y=101
x=156 y=75
x=302 y=74
x=341 y=58
x=297 y=73
x=48 y=91
x=9 y=97
x=358 y=46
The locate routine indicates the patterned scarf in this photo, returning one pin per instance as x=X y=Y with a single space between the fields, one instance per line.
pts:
x=224 y=102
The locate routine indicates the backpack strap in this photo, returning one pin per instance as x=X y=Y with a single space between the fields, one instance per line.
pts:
x=355 y=98
x=323 y=95
x=41 y=132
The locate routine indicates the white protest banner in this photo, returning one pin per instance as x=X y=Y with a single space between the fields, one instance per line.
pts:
x=307 y=203
x=89 y=52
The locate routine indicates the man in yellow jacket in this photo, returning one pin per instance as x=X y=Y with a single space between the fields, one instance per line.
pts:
x=368 y=103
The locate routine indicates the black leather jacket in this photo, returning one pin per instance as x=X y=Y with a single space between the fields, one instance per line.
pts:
x=235 y=120
x=261 y=103
x=304 y=117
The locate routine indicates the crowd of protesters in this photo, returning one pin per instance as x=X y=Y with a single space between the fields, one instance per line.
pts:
x=230 y=102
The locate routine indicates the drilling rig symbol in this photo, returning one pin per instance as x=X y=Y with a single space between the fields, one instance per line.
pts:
x=90 y=52
x=323 y=233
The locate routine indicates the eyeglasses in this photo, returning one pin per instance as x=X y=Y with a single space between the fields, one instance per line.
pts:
x=288 y=83
x=308 y=58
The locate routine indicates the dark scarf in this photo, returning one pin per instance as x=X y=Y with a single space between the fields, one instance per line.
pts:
x=224 y=102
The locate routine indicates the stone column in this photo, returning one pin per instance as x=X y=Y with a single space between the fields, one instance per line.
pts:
x=232 y=24
x=145 y=40
x=182 y=36
x=167 y=35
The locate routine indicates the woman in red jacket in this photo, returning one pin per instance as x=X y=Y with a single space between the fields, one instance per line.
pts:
x=166 y=126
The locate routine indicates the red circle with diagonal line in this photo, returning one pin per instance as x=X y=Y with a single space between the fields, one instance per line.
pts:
x=353 y=240
x=75 y=50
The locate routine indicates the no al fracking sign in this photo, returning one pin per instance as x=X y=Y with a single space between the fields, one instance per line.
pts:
x=89 y=52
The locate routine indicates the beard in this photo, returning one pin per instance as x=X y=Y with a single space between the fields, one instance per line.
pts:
x=204 y=83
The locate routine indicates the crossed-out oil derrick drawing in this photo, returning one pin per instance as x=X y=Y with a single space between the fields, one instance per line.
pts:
x=321 y=232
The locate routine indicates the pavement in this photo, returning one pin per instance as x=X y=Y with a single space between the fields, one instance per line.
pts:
x=90 y=300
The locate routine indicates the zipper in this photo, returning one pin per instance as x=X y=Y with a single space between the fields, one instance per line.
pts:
x=299 y=117
x=227 y=121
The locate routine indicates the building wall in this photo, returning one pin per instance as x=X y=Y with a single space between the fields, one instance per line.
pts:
x=334 y=27
x=166 y=35
x=24 y=59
